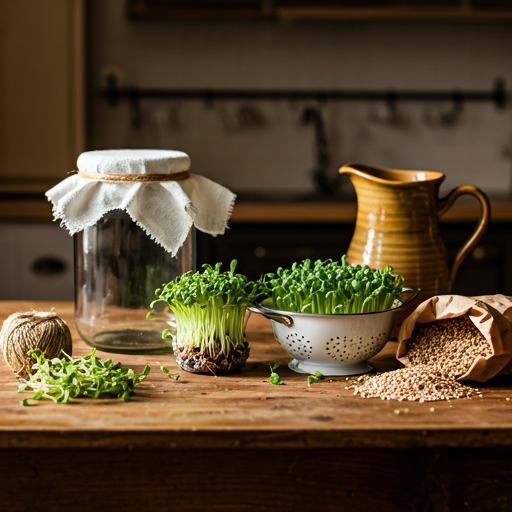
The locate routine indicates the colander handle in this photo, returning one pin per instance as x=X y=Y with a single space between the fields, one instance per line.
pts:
x=410 y=299
x=282 y=319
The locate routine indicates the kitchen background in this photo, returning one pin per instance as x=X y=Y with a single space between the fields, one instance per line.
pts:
x=278 y=153
x=58 y=57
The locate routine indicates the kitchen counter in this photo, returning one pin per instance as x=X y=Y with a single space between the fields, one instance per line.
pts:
x=254 y=211
x=345 y=212
x=249 y=445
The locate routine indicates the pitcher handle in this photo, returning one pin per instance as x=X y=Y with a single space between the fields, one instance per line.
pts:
x=445 y=203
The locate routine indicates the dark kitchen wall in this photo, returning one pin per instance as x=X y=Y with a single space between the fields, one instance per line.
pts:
x=272 y=150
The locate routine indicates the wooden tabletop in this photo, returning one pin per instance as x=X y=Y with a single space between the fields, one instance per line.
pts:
x=245 y=410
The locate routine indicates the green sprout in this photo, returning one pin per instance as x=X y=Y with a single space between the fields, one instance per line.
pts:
x=173 y=376
x=274 y=377
x=332 y=287
x=209 y=307
x=64 y=379
x=312 y=379
x=166 y=334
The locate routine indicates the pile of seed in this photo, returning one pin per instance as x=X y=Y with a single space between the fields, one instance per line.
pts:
x=437 y=353
x=421 y=383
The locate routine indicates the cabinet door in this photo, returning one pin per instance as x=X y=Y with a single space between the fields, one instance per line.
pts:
x=37 y=262
x=261 y=248
x=488 y=268
x=41 y=89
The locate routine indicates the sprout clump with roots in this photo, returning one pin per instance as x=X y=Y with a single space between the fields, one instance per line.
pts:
x=209 y=307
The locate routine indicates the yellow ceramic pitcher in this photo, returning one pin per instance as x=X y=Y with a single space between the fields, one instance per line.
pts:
x=398 y=224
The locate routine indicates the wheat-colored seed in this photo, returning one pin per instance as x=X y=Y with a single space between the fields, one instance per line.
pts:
x=437 y=354
x=418 y=383
x=450 y=345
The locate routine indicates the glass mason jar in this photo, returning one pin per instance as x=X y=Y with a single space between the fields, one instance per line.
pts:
x=118 y=267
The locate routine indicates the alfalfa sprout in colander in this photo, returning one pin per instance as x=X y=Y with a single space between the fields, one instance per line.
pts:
x=333 y=287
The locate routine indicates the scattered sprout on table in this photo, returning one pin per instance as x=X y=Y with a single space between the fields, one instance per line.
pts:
x=315 y=378
x=64 y=379
x=274 y=377
x=173 y=376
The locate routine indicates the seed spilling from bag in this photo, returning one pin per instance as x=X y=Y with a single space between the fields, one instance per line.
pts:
x=450 y=345
x=437 y=353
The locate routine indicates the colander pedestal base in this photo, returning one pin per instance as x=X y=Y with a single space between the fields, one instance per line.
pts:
x=329 y=370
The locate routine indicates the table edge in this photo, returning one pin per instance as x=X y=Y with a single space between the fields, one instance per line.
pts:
x=270 y=439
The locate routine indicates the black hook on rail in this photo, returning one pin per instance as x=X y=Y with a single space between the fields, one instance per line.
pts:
x=326 y=185
x=114 y=93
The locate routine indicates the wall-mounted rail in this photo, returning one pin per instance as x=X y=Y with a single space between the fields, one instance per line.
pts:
x=497 y=95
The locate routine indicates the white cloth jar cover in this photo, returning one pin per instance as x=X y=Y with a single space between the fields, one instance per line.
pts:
x=165 y=210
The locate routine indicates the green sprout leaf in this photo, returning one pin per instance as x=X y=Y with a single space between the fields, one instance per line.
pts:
x=38 y=395
x=167 y=334
x=173 y=376
x=274 y=377
x=64 y=379
x=312 y=379
x=332 y=287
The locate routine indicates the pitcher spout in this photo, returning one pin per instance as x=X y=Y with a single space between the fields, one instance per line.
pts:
x=392 y=177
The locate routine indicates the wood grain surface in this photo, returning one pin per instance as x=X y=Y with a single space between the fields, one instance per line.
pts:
x=421 y=480
x=240 y=444
x=245 y=410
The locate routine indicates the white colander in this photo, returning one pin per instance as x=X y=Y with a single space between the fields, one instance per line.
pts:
x=331 y=344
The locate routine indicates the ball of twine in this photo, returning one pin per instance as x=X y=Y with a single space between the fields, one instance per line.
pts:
x=31 y=330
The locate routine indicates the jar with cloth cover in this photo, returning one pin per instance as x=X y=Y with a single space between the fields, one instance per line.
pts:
x=133 y=215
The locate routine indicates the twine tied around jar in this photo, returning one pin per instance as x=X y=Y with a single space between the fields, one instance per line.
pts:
x=134 y=178
x=176 y=200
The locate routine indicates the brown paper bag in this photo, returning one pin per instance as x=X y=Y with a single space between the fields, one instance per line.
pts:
x=491 y=314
